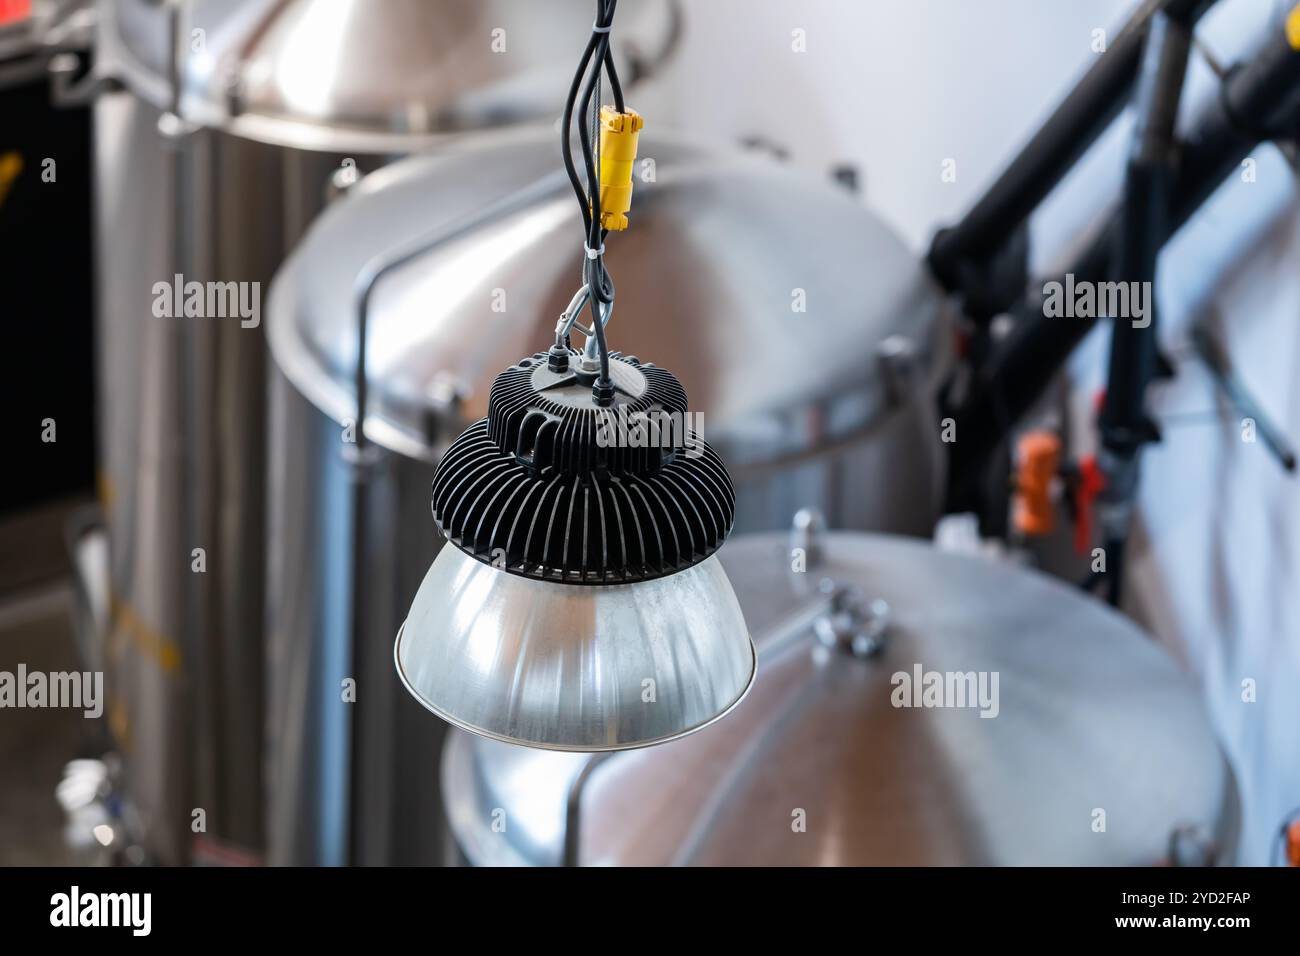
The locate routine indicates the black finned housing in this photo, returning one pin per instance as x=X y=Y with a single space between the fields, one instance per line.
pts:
x=552 y=486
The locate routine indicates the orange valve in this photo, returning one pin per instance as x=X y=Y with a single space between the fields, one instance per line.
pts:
x=1039 y=460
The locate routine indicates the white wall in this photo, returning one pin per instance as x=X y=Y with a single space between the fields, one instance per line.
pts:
x=898 y=86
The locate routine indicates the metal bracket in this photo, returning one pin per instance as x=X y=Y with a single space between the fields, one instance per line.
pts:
x=1216 y=360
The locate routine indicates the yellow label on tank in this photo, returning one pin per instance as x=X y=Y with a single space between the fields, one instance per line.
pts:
x=148 y=642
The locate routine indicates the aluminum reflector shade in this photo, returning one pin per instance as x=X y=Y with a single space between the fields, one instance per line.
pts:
x=581 y=668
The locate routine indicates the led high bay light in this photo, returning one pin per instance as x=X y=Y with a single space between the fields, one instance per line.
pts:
x=579 y=604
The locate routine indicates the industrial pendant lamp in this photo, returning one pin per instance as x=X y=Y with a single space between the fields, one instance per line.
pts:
x=579 y=603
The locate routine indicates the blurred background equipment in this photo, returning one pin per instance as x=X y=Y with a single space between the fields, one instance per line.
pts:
x=1099 y=750
x=709 y=281
x=102 y=828
x=1170 y=176
x=1200 y=570
x=222 y=129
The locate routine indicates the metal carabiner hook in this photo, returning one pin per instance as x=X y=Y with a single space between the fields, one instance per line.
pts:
x=569 y=320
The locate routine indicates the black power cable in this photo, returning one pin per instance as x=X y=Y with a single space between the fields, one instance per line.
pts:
x=595 y=275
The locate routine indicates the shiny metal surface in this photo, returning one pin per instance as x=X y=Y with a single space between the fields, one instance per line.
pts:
x=1091 y=716
x=569 y=667
x=725 y=249
x=181 y=412
x=366 y=76
x=328 y=803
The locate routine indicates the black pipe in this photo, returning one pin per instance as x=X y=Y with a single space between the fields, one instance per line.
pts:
x=1053 y=151
x=1124 y=424
x=1260 y=100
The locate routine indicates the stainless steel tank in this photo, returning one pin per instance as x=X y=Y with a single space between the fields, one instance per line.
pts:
x=1090 y=749
x=465 y=259
x=221 y=128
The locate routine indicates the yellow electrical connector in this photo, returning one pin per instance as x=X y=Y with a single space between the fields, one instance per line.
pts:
x=618 y=138
x=1293 y=28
